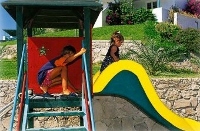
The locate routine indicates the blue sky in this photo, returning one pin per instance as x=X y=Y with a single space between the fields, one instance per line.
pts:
x=6 y=21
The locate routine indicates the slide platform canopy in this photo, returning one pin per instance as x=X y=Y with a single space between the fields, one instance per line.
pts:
x=65 y=14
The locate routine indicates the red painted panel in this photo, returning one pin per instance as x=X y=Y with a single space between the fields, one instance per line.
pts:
x=53 y=47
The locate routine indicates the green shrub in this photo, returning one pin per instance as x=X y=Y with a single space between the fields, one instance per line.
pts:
x=177 y=53
x=113 y=14
x=127 y=11
x=123 y=12
x=149 y=30
x=196 y=61
x=166 y=30
x=190 y=39
x=155 y=58
x=141 y=15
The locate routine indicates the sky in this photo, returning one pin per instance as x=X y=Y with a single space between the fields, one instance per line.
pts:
x=6 y=21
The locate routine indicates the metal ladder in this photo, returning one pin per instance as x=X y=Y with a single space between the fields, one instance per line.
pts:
x=54 y=102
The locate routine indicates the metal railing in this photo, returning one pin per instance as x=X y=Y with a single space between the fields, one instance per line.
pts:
x=18 y=88
x=85 y=106
x=88 y=93
x=22 y=101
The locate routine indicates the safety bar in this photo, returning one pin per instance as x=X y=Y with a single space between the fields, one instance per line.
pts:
x=18 y=87
x=86 y=106
x=88 y=92
x=22 y=99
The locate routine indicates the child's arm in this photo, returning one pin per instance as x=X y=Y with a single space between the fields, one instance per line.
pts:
x=60 y=61
x=112 y=53
x=72 y=58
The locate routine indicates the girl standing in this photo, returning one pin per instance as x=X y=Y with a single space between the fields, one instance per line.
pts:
x=113 y=52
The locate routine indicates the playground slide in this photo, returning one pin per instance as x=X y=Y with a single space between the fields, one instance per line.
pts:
x=129 y=80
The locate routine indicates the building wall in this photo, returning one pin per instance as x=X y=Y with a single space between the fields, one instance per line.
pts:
x=167 y=4
x=3 y=35
x=181 y=3
x=101 y=20
x=161 y=14
x=186 y=21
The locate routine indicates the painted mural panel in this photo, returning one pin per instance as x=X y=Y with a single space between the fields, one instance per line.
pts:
x=41 y=50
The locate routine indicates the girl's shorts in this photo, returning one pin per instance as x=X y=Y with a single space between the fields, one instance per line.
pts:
x=47 y=82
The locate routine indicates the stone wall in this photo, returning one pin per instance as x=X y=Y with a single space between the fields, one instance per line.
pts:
x=100 y=48
x=117 y=114
x=180 y=95
x=8 y=52
x=7 y=90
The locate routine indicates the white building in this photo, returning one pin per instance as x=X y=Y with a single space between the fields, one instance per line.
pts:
x=160 y=8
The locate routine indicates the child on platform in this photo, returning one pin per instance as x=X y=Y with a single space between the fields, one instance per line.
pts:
x=54 y=72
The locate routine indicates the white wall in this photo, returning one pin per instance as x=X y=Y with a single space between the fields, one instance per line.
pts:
x=101 y=20
x=186 y=21
x=161 y=14
x=3 y=37
x=167 y=4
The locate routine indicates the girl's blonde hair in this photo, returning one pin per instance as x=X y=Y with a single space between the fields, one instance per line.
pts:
x=118 y=35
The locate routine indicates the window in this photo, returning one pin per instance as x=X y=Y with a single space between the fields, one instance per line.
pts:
x=155 y=4
x=152 y=5
x=148 y=5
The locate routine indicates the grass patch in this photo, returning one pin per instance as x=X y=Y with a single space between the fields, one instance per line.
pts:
x=13 y=42
x=176 y=75
x=95 y=68
x=130 y=32
x=8 y=69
